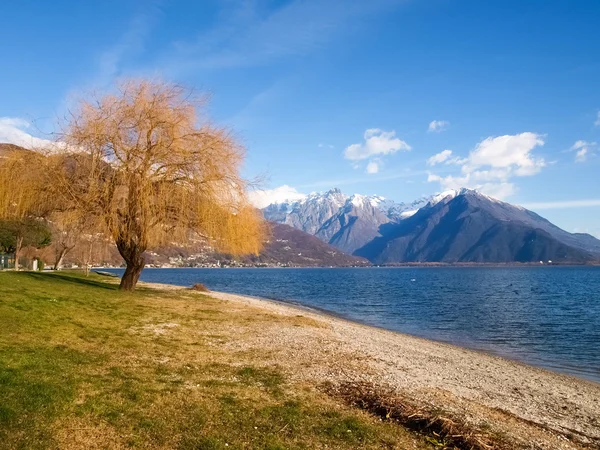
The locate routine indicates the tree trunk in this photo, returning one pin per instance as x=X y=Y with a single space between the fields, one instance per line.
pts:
x=88 y=259
x=59 y=258
x=18 y=251
x=132 y=275
x=135 y=263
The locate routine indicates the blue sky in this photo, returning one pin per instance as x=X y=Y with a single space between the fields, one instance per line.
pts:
x=400 y=98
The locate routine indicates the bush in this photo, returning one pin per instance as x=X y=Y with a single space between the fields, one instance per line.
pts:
x=199 y=287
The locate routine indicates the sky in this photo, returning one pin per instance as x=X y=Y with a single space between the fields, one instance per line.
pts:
x=399 y=98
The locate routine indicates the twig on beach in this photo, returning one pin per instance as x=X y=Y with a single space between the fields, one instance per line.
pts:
x=386 y=404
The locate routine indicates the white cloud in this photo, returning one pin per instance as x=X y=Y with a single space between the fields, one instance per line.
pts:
x=510 y=151
x=581 y=155
x=597 y=122
x=377 y=142
x=12 y=131
x=262 y=198
x=493 y=162
x=321 y=145
x=564 y=204
x=583 y=150
x=483 y=181
x=437 y=126
x=445 y=157
x=372 y=167
x=439 y=158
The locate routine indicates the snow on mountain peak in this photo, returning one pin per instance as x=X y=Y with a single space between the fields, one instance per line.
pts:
x=450 y=194
x=376 y=200
x=335 y=199
x=453 y=193
x=358 y=200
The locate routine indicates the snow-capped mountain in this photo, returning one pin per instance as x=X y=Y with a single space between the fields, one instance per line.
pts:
x=455 y=225
x=467 y=226
x=345 y=221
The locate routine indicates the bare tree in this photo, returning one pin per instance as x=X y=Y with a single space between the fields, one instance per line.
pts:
x=85 y=251
x=142 y=162
x=22 y=200
x=67 y=229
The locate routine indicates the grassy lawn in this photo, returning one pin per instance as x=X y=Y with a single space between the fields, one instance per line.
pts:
x=83 y=365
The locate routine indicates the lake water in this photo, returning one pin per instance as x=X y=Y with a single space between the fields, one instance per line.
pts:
x=544 y=316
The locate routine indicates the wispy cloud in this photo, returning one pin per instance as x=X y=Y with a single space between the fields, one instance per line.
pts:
x=373 y=167
x=257 y=109
x=113 y=59
x=597 y=122
x=437 y=126
x=370 y=179
x=248 y=34
x=583 y=150
x=563 y=204
x=445 y=157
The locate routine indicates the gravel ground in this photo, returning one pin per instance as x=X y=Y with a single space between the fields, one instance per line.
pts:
x=525 y=406
x=531 y=406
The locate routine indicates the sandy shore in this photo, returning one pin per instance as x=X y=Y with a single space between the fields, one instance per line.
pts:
x=528 y=406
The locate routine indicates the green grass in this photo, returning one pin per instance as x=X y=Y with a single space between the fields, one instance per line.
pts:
x=83 y=365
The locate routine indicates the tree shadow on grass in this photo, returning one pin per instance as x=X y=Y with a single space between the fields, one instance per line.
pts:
x=71 y=278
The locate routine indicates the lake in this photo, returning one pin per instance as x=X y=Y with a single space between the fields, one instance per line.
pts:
x=544 y=316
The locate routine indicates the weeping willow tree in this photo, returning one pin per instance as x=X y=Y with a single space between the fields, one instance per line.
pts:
x=23 y=202
x=153 y=172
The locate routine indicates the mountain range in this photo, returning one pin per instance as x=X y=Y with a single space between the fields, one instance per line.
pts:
x=346 y=222
x=334 y=229
x=458 y=226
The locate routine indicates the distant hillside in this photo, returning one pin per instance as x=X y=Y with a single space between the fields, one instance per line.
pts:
x=291 y=246
x=285 y=246
x=6 y=149
x=471 y=227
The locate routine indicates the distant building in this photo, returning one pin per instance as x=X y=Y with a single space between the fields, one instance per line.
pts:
x=7 y=261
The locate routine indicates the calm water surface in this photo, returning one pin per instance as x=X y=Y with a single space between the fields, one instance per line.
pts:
x=544 y=316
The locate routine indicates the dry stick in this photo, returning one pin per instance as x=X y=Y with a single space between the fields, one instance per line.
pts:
x=365 y=395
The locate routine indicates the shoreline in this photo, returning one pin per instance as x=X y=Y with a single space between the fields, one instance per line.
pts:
x=457 y=345
x=465 y=382
x=331 y=315
x=408 y=265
